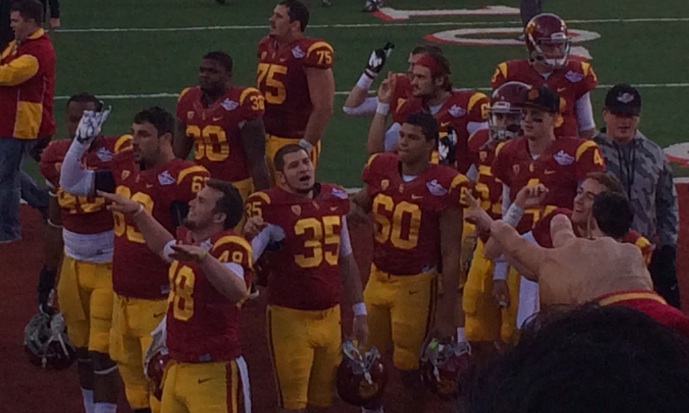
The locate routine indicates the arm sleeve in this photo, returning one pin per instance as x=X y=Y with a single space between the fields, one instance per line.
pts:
x=584 y=111
x=392 y=135
x=474 y=126
x=367 y=108
x=18 y=70
x=345 y=242
x=73 y=178
x=506 y=203
x=666 y=208
x=271 y=233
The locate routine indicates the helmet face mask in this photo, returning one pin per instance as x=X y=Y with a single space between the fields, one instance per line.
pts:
x=505 y=113
x=443 y=366
x=547 y=40
x=361 y=377
x=46 y=342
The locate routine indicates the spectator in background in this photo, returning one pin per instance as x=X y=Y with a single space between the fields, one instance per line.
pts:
x=52 y=22
x=646 y=175
x=594 y=360
x=6 y=34
x=27 y=86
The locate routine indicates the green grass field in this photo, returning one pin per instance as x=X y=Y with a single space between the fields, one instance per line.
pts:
x=643 y=43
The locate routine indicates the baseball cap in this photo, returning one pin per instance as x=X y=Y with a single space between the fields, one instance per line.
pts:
x=542 y=98
x=623 y=99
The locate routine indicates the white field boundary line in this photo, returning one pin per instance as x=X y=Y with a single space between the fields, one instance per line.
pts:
x=345 y=93
x=366 y=25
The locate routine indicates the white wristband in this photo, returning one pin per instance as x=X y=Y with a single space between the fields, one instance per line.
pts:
x=514 y=215
x=306 y=145
x=359 y=309
x=365 y=81
x=383 y=108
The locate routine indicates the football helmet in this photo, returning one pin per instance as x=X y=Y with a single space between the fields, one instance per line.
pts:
x=443 y=365
x=504 y=115
x=46 y=342
x=361 y=378
x=547 y=40
x=156 y=359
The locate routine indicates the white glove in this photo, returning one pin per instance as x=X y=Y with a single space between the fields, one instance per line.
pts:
x=90 y=125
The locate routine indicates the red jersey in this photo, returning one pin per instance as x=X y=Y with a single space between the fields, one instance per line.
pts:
x=407 y=214
x=216 y=129
x=462 y=107
x=651 y=304
x=281 y=78
x=202 y=324
x=560 y=169
x=570 y=82
x=487 y=190
x=401 y=93
x=137 y=271
x=541 y=233
x=304 y=271
x=81 y=214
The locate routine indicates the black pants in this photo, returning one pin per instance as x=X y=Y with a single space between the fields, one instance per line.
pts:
x=664 y=274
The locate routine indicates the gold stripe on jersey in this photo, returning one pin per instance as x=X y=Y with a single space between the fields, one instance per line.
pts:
x=318 y=45
x=264 y=197
x=121 y=141
x=371 y=158
x=586 y=145
x=585 y=67
x=232 y=239
x=631 y=296
x=475 y=98
x=642 y=242
x=458 y=180
x=499 y=148
x=484 y=169
x=190 y=170
x=182 y=93
x=502 y=68
x=245 y=92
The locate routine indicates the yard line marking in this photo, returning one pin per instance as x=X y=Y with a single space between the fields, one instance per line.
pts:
x=345 y=93
x=365 y=25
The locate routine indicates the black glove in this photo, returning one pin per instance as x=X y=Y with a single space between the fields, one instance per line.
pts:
x=46 y=284
x=36 y=150
x=377 y=59
x=664 y=274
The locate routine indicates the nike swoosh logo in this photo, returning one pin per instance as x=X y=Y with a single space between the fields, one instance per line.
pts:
x=333 y=208
x=218 y=119
x=205 y=380
x=549 y=172
x=158 y=315
x=416 y=196
x=149 y=186
x=561 y=89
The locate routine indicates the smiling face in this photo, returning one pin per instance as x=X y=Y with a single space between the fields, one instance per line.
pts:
x=298 y=175
x=583 y=201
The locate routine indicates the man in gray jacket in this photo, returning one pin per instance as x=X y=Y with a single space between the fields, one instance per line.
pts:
x=641 y=166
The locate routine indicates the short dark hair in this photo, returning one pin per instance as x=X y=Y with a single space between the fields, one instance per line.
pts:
x=427 y=123
x=613 y=213
x=220 y=57
x=29 y=10
x=230 y=203
x=160 y=118
x=592 y=359
x=85 y=97
x=297 y=11
x=426 y=48
x=608 y=180
x=279 y=159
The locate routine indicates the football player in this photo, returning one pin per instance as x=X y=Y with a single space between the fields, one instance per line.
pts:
x=489 y=322
x=309 y=270
x=224 y=124
x=150 y=175
x=80 y=233
x=538 y=157
x=417 y=209
x=296 y=78
x=548 y=43
x=461 y=111
x=209 y=278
